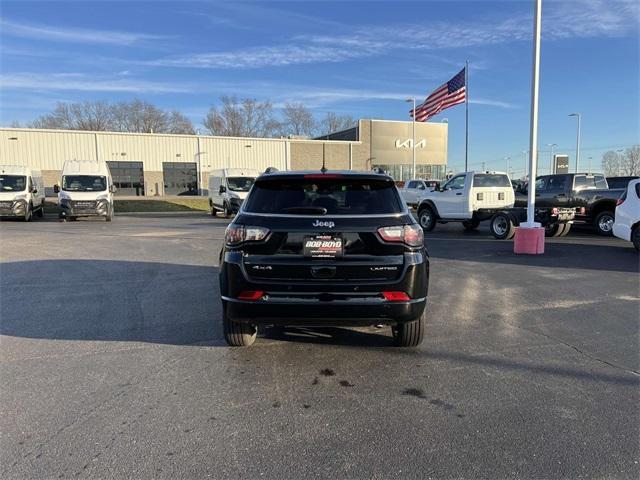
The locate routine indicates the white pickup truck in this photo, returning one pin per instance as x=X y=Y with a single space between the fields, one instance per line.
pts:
x=414 y=189
x=468 y=197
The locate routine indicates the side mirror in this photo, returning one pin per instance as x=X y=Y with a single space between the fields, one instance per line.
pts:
x=112 y=189
x=34 y=190
x=222 y=189
x=56 y=189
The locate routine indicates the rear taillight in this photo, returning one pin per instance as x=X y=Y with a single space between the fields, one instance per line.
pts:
x=250 y=295
x=237 y=234
x=411 y=235
x=622 y=198
x=554 y=212
x=396 y=296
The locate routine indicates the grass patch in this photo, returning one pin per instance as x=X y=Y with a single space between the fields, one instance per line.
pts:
x=150 y=205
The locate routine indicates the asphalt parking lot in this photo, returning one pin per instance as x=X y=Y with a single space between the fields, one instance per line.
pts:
x=112 y=364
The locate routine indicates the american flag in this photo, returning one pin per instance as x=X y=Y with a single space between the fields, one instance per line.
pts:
x=451 y=93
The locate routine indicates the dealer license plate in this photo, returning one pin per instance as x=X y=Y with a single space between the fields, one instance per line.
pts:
x=323 y=246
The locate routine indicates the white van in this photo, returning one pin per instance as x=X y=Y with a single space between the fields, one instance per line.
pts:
x=86 y=190
x=21 y=192
x=228 y=188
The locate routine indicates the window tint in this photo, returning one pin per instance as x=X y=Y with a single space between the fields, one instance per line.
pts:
x=456 y=183
x=489 y=180
x=348 y=196
x=84 y=183
x=589 y=181
x=12 y=183
x=541 y=184
x=240 y=184
x=600 y=182
x=412 y=184
x=557 y=183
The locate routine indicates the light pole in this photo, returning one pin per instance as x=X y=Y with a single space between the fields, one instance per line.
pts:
x=619 y=160
x=413 y=129
x=507 y=159
x=590 y=158
x=552 y=146
x=524 y=156
x=579 y=116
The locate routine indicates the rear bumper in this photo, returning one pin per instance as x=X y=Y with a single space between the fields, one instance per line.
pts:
x=325 y=303
x=316 y=312
x=622 y=231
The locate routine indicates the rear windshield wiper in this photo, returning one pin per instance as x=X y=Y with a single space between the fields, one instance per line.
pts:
x=307 y=210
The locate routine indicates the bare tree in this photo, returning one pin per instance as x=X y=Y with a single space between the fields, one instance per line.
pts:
x=178 y=123
x=95 y=116
x=610 y=163
x=333 y=122
x=631 y=161
x=298 y=120
x=136 y=116
x=241 y=118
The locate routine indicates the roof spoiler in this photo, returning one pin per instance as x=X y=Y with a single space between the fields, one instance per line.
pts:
x=271 y=170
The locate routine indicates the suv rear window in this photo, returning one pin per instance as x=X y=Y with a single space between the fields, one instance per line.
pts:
x=491 y=180
x=331 y=196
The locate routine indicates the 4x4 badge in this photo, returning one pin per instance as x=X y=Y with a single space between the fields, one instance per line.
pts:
x=318 y=223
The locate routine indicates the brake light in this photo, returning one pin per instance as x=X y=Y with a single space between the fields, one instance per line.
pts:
x=236 y=234
x=396 y=296
x=411 y=235
x=583 y=210
x=620 y=201
x=250 y=295
x=322 y=176
x=554 y=211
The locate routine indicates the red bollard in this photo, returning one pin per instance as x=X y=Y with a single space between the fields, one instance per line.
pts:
x=529 y=241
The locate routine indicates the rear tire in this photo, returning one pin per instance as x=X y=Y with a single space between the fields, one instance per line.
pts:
x=41 y=210
x=213 y=212
x=604 y=223
x=635 y=237
x=427 y=218
x=501 y=226
x=567 y=229
x=555 y=230
x=409 y=334
x=237 y=334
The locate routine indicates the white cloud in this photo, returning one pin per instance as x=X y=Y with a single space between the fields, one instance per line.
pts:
x=74 y=35
x=582 y=19
x=84 y=83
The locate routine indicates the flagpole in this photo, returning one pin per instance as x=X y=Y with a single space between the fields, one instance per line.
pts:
x=466 y=103
x=413 y=143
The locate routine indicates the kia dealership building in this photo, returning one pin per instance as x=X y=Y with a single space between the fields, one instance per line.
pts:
x=163 y=164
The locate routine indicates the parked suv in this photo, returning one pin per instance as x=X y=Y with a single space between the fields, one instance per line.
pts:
x=324 y=249
x=627 y=224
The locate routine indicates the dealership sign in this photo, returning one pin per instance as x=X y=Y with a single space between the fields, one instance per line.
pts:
x=408 y=143
x=561 y=163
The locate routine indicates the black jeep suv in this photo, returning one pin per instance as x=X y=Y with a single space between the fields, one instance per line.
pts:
x=324 y=249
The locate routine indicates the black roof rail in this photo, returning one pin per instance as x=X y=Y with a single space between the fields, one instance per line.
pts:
x=271 y=170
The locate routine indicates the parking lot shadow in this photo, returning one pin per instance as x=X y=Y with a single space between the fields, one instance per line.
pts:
x=110 y=301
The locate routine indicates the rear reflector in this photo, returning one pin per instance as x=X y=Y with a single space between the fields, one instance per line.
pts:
x=396 y=296
x=251 y=295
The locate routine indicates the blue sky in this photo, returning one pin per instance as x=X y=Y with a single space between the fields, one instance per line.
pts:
x=361 y=58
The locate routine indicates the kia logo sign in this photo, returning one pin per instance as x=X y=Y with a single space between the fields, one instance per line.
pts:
x=408 y=143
